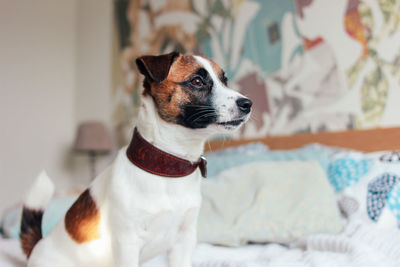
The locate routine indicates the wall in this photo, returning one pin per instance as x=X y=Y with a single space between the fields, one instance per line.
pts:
x=309 y=65
x=54 y=73
x=37 y=80
x=93 y=60
x=93 y=74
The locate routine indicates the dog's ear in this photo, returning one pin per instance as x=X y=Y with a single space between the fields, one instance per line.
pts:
x=156 y=68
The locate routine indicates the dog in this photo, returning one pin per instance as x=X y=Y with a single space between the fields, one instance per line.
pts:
x=147 y=201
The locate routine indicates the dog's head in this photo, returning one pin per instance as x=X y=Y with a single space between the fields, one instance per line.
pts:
x=191 y=91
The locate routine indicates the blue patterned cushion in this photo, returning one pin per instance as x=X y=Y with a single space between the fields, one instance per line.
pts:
x=346 y=171
x=218 y=162
x=245 y=150
x=372 y=180
x=394 y=201
x=378 y=192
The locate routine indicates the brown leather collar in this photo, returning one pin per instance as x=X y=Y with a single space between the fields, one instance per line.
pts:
x=153 y=160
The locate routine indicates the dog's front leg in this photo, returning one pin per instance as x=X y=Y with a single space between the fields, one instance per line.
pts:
x=180 y=254
x=125 y=250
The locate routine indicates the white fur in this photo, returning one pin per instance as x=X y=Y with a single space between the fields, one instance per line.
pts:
x=40 y=192
x=224 y=99
x=142 y=215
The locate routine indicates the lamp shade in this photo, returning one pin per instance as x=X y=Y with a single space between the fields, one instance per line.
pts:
x=92 y=136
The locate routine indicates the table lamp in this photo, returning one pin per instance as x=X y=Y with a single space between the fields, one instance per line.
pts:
x=93 y=138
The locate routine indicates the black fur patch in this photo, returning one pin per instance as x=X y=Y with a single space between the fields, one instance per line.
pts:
x=223 y=78
x=197 y=116
x=31 y=229
x=199 y=111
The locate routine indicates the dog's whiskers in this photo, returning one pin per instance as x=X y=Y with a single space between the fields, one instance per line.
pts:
x=205 y=106
x=199 y=113
x=207 y=115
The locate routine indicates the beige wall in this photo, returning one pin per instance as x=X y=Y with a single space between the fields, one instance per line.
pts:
x=93 y=74
x=54 y=73
x=93 y=65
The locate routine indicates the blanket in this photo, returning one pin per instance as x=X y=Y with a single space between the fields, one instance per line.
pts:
x=360 y=244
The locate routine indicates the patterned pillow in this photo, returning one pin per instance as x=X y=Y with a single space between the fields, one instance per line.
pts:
x=394 y=202
x=230 y=158
x=370 y=183
x=378 y=194
x=347 y=170
x=247 y=149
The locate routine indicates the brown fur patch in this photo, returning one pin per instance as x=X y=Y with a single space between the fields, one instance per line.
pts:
x=169 y=96
x=82 y=219
x=183 y=67
x=31 y=229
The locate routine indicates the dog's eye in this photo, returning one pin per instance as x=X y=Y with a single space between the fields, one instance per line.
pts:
x=197 y=82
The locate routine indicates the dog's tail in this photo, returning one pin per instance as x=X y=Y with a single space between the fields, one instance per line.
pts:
x=31 y=224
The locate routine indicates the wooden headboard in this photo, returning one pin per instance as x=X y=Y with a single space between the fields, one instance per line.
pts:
x=363 y=140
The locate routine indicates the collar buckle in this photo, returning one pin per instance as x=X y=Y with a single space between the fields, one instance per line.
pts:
x=203 y=166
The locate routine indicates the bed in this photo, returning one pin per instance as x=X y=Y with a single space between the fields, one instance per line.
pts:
x=360 y=215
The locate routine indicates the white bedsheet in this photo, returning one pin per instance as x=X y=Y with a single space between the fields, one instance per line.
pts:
x=11 y=254
x=359 y=245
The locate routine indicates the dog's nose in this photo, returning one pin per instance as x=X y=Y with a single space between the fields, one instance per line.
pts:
x=244 y=104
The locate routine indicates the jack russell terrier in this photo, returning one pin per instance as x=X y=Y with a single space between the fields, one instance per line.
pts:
x=147 y=202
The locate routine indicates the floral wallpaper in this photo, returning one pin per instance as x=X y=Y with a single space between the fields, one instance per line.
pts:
x=308 y=65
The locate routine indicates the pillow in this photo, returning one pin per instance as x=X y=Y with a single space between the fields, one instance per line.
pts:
x=219 y=162
x=368 y=185
x=247 y=149
x=267 y=202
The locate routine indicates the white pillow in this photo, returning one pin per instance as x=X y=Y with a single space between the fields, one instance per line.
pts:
x=267 y=202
